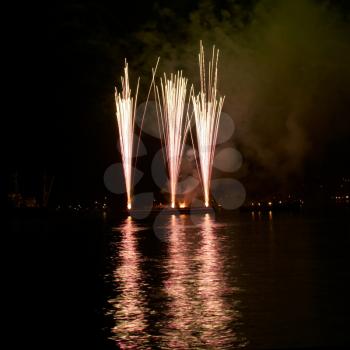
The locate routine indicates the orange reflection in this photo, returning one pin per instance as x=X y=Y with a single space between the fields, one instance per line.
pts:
x=217 y=312
x=270 y=215
x=177 y=288
x=191 y=305
x=199 y=313
x=128 y=306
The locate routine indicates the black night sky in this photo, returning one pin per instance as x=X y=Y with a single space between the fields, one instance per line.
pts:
x=286 y=79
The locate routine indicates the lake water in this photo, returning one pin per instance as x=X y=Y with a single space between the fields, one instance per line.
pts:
x=219 y=282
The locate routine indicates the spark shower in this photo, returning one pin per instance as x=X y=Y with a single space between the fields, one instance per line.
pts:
x=174 y=120
x=126 y=112
x=174 y=124
x=207 y=110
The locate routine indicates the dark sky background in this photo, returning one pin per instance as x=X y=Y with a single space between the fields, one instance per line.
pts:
x=284 y=70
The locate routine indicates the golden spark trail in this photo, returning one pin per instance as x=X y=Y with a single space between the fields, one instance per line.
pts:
x=207 y=110
x=125 y=113
x=174 y=124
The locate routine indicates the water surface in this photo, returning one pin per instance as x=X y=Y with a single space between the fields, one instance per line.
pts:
x=244 y=280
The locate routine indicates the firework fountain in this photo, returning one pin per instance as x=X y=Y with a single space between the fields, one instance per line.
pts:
x=174 y=120
x=174 y=123
x=126 y=112
x=207 y=110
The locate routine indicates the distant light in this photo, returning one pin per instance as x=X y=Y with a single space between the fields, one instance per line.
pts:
x=269 y=203
x=182 y=205
x=172 y=204
x=129 y=206
x=206 y=204
x=280 y=202
x=347 y=197
x=259 y=204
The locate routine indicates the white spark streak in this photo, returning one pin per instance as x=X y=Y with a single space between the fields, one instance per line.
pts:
x=174 y=124
x=125 y=113
x=207 y=110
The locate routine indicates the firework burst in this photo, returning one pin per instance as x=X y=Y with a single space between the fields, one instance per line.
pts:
x=207 y=110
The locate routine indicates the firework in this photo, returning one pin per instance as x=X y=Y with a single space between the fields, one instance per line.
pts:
x=174 y=123
x=126 y=112
x=207 y=109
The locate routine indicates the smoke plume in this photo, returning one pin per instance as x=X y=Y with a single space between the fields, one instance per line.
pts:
x=283 y=67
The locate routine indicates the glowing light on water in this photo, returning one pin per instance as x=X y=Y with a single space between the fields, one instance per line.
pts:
x=128 y=305
x=174 y=124
x=207 y=110
x=195 y=293
x=125 y=113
